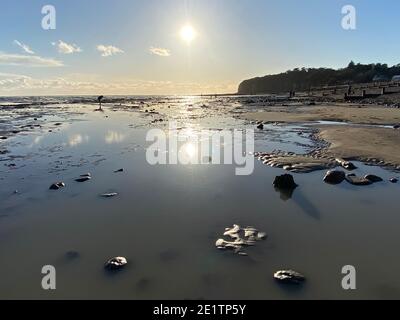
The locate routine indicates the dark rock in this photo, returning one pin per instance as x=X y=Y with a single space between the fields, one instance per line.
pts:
x=394 y=180
x=285 y=181
x=373 y=178
x=3 y=138
x=83 y=179
x=119 y=170
x=57 y=185
x=397 y=126
x=357 y=181
x=334 y=177
x=260 y=126
x=116 y=263
x=289 y=276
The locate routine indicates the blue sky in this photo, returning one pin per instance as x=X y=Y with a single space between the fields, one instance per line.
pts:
x=235 y=40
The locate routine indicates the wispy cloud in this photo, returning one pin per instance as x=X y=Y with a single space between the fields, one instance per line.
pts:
x=162 y=52
x=28 y=61
x=107 y=51
x=24 y=47
x=66 y=48
x=17 y=84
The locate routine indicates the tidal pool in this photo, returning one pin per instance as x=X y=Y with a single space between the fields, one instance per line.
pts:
x=166 y=218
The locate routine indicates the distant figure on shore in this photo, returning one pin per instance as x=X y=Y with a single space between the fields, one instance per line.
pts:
x=99 y=100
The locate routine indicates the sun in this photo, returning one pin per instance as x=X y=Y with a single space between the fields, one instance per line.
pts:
x=188 y=34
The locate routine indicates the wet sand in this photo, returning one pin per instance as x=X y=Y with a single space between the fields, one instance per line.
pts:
x=347 y=141
x=166 y=219
x=345 y=113
x=365 y=144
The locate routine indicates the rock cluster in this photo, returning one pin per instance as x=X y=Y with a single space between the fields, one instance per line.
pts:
x=240 y=237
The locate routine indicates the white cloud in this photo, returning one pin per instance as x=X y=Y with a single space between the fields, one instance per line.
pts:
x=66 y=48
x=107 y=51
x=24 y=47
x=28 y=61
x=162 y=52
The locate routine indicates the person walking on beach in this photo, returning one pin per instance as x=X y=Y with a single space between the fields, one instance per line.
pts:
x=99 y=100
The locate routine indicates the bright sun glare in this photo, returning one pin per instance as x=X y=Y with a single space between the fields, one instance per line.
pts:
x=188 y=34
x=190 y=150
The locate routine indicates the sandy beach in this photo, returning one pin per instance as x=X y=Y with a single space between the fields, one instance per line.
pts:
x=367 y=132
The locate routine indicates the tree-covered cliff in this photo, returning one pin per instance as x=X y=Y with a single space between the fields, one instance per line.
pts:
x=303 y=79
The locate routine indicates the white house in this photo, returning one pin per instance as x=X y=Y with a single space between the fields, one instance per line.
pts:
x=396 y=78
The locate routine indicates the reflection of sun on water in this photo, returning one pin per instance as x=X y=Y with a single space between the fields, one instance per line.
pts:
x=114 y=137
x=77 y=139
x=190 y=150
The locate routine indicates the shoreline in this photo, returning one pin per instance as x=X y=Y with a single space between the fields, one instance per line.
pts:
x=355 y=139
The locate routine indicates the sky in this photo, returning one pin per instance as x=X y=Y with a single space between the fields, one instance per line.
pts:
x=135 y=47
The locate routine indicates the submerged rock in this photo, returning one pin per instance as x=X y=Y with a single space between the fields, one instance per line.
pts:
x=373 y=178
x=143 y=284
x=72 y=254
x=241 y=237
x=260 y=126
x=394 y=180
x=357 y=181
x=115 y=263
x=57 y=185
x=119 y=170
x=334 y=177
x=285 y=181
x=289 y=276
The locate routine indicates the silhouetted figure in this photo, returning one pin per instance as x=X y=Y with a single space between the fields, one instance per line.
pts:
x=99 y=100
